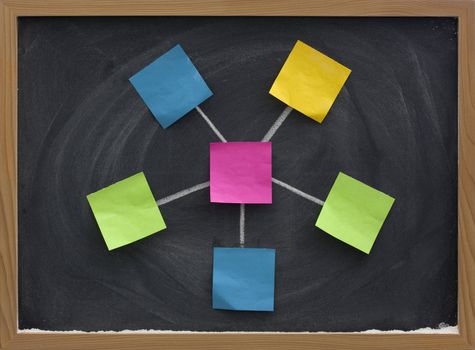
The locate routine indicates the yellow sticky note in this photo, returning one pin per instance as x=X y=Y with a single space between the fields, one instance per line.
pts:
x=309 y=81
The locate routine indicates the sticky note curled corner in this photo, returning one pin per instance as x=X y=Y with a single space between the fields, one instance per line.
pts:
x=171 y=86
x=354 y=212
x=243 y=279
x=309 y=81
x=126 y=211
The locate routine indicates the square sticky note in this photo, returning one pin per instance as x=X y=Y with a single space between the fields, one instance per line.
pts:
x=309 y=81
x=243 y=279
x=126 y=211
x=354 y=212
x=241 y=172
x=171 y=86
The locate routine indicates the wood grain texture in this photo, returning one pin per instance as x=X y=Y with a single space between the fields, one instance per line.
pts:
x=8 y=176
x=238 y=341
x=238 y=8
x=467 y=174
x=10 y=339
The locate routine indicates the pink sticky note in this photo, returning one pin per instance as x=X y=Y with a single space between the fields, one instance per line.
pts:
x=241 y=172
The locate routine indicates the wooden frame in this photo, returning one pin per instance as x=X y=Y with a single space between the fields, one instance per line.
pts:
x=10 y=10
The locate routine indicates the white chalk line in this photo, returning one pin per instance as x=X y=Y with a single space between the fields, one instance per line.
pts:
x=273 y=129
x=242 y=219
x=211 y=125
x=298 y=192
x=427 y=330
x=183 y=193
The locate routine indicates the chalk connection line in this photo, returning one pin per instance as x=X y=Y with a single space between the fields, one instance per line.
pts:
x=298 y=192
x=242 y=208
x=211 y=125
x=242 y=218
x=199 y=187
x=273 y=129
x=280 y=120
x=183 y=193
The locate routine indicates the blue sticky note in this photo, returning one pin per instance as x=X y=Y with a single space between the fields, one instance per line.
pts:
x=243 y=279
x=171 y=86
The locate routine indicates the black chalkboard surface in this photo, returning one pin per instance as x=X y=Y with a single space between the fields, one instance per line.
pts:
x=83 y=127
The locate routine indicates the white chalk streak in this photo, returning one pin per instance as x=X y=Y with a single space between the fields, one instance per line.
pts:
x=211 y=125
x=242 y=218
x=183 y=193
x=445 y=330
x=273 y=129
x=298 y=192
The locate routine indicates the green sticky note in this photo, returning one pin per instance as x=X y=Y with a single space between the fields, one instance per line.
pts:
x=126 y=211
x=354 y=212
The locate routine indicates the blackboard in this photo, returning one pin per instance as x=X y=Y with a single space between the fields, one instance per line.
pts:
x=82 y=127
